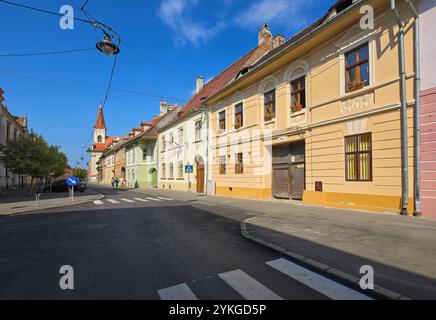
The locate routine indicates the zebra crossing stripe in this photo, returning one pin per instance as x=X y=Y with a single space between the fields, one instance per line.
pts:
x=113 y=201
x=168 y=199
x=98 y=203
x=141 y=200
x=319 y=283
x=180 y=292
x=153 y=199
x=248 y=287
x=127 y=200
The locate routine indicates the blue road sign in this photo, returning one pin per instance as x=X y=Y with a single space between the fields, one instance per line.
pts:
x=73 y=181
x=189 y=169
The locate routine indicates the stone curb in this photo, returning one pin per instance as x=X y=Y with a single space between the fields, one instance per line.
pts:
x=37 y=209
x=331 y=272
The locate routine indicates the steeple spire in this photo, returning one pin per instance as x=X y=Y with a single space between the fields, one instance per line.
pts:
x=100 y=124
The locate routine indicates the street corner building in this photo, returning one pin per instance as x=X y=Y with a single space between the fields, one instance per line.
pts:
x=329 y=116
x=11 y=127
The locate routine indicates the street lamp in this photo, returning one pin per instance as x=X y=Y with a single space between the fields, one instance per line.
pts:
x=107 y=46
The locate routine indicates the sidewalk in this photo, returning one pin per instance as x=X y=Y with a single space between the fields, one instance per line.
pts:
x=337 y=242
x=20 y=201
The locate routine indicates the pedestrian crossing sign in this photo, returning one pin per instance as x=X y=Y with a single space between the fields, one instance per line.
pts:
x=189 y=169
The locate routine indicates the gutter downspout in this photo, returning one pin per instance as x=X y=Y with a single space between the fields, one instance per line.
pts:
x=417 y=111
x=206 y=165
x=404 y=137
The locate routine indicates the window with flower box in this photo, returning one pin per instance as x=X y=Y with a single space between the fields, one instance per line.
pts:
x=298 y=94
x=357 y=68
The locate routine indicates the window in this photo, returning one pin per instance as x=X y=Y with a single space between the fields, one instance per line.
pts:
x=151 y=153
x=171 y=170
x=358 y=158
x=171 y=139
x=222 y=120
x=180 y=169
x=269 y=105
x=239 y=167
x=181 y=137
x=298 y=94
x=357 y=68
x=239 y=115
x=164 y=143
x=198 y=127
x=223 y=168
x=99 y=139
x=8 y=132
x=164 y=170
x=144 y=154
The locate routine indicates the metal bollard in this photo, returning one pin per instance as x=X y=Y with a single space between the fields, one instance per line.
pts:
x=38 y=199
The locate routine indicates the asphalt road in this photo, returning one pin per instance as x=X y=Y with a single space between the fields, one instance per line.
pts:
x=131 y=246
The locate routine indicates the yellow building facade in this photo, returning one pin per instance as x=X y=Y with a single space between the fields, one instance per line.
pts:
x=318 y=119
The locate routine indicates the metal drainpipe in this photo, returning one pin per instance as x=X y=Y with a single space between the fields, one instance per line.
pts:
x=417 y=110
x=404 y=136
x=206 y=160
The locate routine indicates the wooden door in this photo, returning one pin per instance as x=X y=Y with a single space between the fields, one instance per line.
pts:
x=281 y=178
x=200 y=178
x=298 y=181
x=281 y=171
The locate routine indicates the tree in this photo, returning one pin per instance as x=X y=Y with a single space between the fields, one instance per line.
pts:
x=80 y=173
x=31 y=155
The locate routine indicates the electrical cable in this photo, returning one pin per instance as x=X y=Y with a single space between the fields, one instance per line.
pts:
x=10 y=55
x=55 y=81
x=42 y=10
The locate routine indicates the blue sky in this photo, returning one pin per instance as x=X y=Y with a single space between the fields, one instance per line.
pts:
x=166 y=45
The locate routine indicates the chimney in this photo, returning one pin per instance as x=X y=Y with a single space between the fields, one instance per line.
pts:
x=172 y=107
x=265 y=34
x=278 y=40
x=200 y=84
x=163 y=108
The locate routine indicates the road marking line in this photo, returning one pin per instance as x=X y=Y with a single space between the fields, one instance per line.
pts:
x=153 y=199
x=98 y=203
x=248 y=287
x=317 y=282
x=139 y=199
x=168 y=199
x=127 y=200
x=113 y=201
x=179 y=292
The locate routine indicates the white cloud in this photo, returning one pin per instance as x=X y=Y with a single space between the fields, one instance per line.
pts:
x=279 y=12
x=178 y=15
x=174 y=13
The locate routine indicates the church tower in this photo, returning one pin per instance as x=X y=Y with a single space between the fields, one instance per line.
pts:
x=100 y=127
x=98 y=146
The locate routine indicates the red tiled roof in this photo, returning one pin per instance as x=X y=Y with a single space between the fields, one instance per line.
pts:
x=147 y=123
x=100 y=124
x=217 y=83
x=100 y=147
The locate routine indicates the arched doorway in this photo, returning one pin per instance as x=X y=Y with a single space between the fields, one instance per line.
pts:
x=153 y=175
x=123 y=176
x=200 y=174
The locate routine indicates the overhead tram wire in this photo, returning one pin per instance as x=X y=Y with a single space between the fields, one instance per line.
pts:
x=13 y=55
x=42 y=11
x=55 y=82
x=89 y=21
